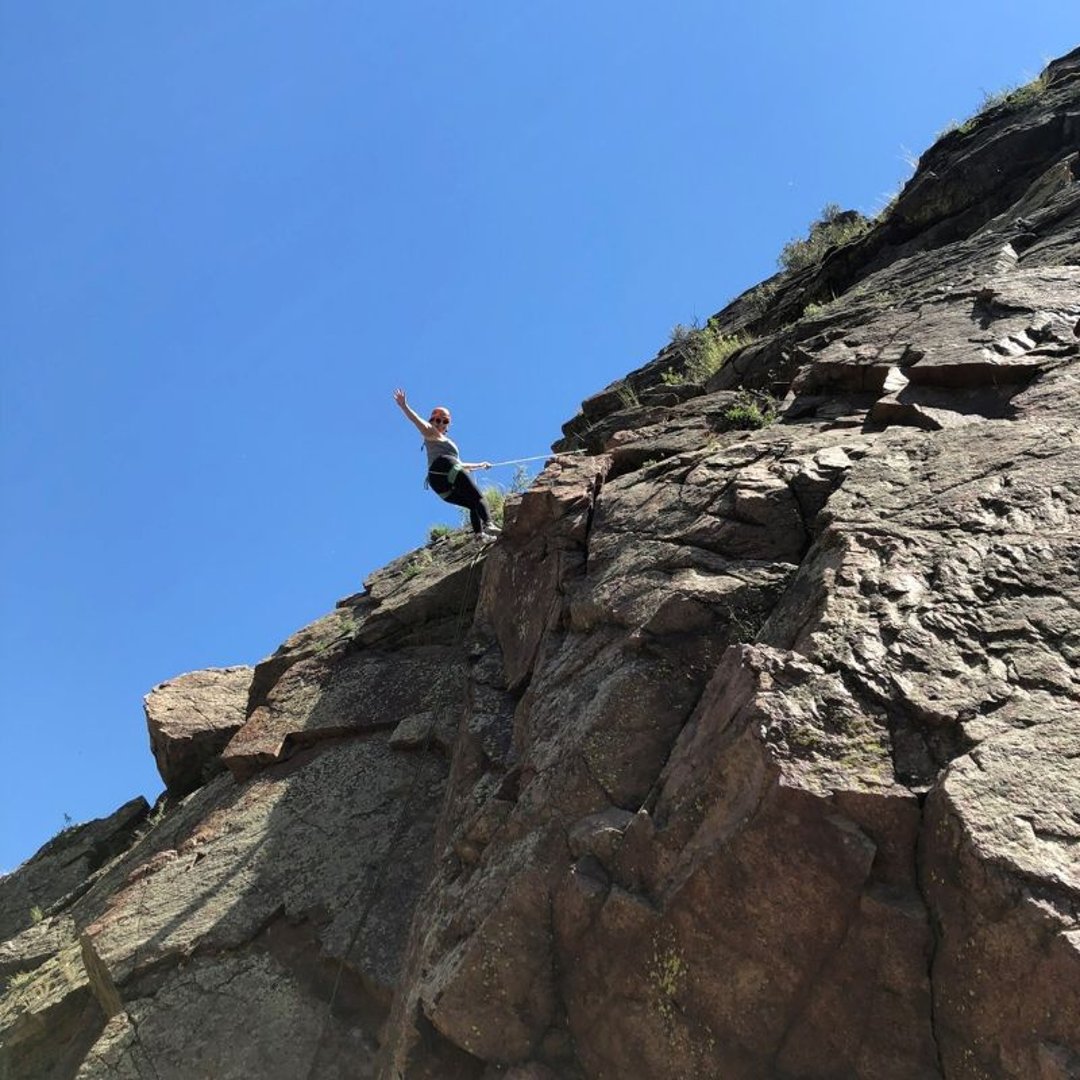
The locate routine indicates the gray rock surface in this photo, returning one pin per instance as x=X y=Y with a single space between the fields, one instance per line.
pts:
x=264 y=1021
x=49 y=1018
x=62 y=865
x=35 y=945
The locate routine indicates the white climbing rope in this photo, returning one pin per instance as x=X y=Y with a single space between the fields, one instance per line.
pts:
x=537 y=457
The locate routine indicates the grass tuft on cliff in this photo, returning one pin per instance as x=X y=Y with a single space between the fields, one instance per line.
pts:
x=834 y=227
x=749 y=413
x=703 y=350
x=1011 y=97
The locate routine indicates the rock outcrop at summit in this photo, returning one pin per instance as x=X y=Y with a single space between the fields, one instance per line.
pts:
x=750 y=749
x=191 y=719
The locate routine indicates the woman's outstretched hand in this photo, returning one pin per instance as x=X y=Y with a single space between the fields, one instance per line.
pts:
x=399 y=397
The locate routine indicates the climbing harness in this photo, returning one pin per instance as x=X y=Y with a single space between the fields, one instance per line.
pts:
x=451 y=475
x=395 y=840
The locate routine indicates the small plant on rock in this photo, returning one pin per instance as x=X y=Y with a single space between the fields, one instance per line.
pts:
x=714 y=351
x=438 y=532
x=627 y=395
x=495 y=495
x=761 y=296
x=749 y=412
x=19 y=979
x=1012 y=97
x=834 y=227
x=703 y=350
x=817 y=307
x=521 y=480
x=417 y=564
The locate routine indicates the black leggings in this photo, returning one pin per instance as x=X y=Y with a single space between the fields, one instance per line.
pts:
x=463 y=492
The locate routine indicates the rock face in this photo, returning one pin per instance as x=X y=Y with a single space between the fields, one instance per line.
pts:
x=63 y=866
x=191 y=719
x=749 y=750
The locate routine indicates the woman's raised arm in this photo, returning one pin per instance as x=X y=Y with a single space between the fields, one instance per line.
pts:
x=424 y=427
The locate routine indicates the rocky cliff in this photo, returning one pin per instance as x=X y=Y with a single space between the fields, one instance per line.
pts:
x=749 y=750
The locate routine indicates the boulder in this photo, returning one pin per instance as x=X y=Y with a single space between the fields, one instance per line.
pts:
x=191 y=718
x=328 y=697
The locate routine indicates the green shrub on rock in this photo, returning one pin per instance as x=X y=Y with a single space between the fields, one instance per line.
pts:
x=749 y=413
x=834 y=227
x=703 y=350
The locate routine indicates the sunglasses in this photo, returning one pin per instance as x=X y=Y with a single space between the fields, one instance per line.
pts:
x=439 y=420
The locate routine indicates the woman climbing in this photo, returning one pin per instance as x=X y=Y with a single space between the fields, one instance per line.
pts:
x=448 y=476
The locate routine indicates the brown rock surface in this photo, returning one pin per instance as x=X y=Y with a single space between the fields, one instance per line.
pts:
x=773 y=880
x=191 y=718
x=1001 y=862
x=749 y=750
x=379 y=658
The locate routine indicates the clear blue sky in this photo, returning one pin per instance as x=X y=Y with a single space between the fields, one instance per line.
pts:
x=229 y=230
